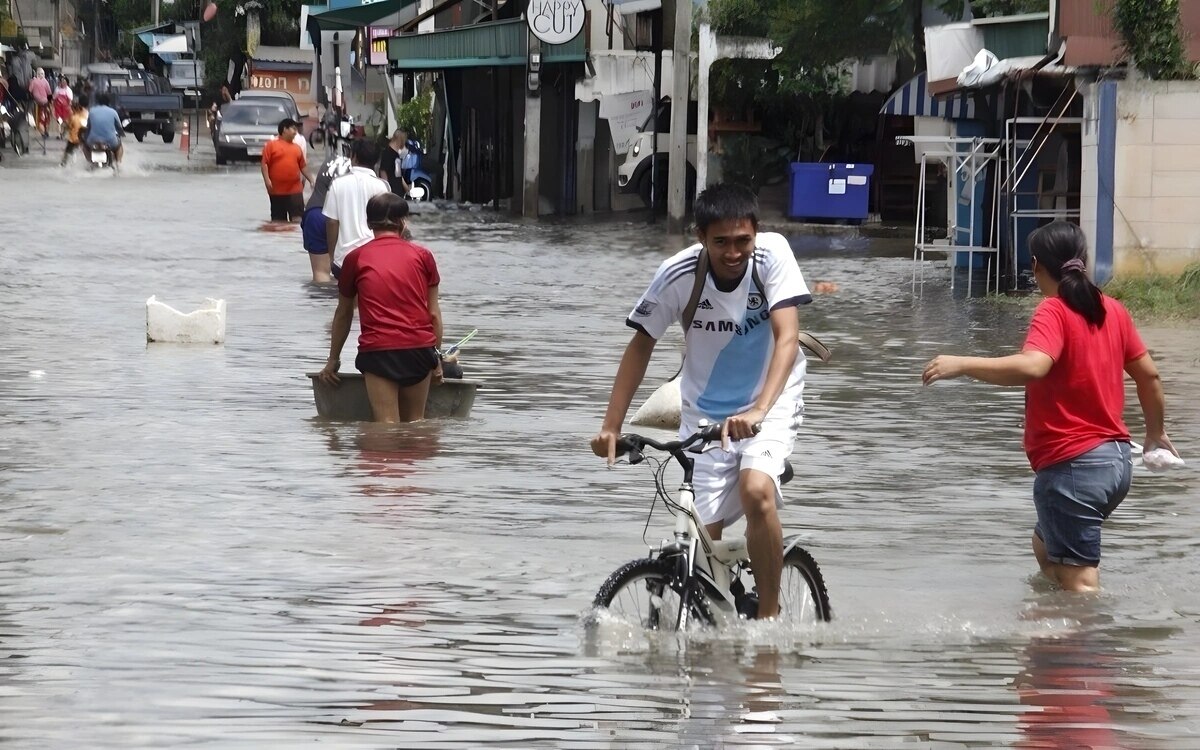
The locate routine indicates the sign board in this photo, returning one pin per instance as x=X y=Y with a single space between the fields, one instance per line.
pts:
x=555 y=21
x=378 y=36
x=625 y=114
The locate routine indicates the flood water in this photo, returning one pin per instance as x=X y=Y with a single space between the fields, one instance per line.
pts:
x=189 y=557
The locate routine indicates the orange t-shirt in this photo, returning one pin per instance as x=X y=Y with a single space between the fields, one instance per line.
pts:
x=285 y=162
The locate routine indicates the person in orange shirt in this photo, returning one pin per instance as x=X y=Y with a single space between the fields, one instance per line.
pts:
x=284 y=172
x=75 y=125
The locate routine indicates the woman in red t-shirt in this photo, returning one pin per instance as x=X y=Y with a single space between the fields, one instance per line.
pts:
x=1079 y=346
x=395 y=285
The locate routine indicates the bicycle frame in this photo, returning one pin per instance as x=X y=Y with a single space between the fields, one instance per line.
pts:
x=704 y=574
x=711 y=561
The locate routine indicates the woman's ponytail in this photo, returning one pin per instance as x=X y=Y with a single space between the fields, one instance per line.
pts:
x=1061 y=248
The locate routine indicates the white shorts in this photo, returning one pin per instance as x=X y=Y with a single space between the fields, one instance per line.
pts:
x=715 y=479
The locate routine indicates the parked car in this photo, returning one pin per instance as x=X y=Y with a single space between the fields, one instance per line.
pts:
x=244 y=126
x=280 y=97
x=144 y=99
x=634 y=174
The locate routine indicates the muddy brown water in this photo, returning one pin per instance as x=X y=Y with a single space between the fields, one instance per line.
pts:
x=188 y=557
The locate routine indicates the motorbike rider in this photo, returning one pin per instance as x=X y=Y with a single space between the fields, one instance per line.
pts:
x=104 y=128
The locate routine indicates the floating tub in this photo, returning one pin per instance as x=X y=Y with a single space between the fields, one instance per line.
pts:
x=203 y=326
x=347 y=401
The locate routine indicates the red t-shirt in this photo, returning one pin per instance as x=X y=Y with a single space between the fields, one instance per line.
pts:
x=1079 y=404
x=284 y=162
x=391 y=278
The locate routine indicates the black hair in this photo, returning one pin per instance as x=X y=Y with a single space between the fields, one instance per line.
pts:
x=387 y=212
x=1061 y=243
x=103 y=99
x=725 y=201
x=364 y=152
x=286 y=123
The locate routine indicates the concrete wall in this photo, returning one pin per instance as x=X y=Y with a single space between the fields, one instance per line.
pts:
x=1156 y=185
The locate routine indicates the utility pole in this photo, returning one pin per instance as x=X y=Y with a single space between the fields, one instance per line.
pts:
x=656 y=42
x=157 y=6
x=677 y=167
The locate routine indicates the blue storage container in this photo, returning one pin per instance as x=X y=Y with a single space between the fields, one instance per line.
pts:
x=830 y=191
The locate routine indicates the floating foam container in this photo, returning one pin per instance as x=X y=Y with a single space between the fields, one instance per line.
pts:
x=204 y=326
x=662 y=408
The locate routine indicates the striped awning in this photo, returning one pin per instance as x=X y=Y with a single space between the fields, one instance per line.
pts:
x=913 y=100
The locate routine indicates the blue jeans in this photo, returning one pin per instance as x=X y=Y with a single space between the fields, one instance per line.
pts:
x=1074 y=497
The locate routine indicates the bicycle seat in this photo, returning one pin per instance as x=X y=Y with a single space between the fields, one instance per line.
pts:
x=787 y=474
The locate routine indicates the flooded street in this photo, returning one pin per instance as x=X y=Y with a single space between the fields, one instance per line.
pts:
x=191 y=558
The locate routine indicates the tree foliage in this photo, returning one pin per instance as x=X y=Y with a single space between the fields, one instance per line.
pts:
x=222 y=39
x=1151 y=31
x=993 y=8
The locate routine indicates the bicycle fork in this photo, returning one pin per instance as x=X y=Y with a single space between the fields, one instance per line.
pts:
x=687 y=561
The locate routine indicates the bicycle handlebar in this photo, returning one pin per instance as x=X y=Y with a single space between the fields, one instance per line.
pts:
x=633 y=444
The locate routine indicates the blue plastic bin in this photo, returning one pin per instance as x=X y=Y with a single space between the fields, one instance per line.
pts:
x=830 y=191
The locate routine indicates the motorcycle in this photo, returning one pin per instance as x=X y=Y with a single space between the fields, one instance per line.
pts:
x=101 y=157
x=420 y=181
x=14 y=127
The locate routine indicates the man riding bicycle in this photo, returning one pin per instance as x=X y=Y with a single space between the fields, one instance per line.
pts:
x=104 y=128
x=743 y=367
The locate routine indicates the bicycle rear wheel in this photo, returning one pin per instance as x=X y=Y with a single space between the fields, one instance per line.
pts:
x=648 y=593
x=803 y=597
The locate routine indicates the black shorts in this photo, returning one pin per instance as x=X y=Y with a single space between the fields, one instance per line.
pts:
x=407 y=367
x=287 y=207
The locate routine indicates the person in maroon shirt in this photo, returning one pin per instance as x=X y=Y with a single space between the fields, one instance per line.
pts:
x=395 y=285
x=1079 y=346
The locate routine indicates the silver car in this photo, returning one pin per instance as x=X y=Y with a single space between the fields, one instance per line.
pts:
x=244 y=127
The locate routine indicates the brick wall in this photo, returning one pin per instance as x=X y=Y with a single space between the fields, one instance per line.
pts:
x=1156 y=186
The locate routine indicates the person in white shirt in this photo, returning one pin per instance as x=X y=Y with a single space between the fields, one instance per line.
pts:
x=345 y=206
x=743 y=368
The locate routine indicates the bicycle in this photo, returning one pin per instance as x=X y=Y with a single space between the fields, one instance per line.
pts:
x=694 y=579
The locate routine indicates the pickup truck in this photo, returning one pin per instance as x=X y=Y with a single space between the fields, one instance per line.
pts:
x=142 y=99
x=634 y=174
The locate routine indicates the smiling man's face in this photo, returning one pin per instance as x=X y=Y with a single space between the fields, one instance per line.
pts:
x=729 y=244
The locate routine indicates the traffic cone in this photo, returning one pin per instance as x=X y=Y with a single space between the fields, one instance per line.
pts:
x=185 y=139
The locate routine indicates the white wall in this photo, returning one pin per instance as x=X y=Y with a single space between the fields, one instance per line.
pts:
x=1156 y=222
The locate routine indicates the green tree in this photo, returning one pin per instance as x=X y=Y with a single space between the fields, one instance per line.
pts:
x=797 y=89
x=1151 y=31
x=993 y=8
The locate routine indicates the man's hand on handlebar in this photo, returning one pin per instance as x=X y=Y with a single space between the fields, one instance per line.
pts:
x=604 y=445
x=742 y=426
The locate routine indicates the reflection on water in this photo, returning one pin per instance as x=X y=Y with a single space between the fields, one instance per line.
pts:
x=190 y=557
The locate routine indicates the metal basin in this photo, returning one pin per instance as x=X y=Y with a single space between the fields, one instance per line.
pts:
x=347 y=401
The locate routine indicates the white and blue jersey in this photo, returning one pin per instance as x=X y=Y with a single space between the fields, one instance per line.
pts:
x=730 y=343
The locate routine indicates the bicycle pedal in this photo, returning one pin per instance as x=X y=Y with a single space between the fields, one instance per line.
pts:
x=747 y=606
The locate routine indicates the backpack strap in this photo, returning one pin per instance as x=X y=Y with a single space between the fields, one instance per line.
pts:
x=689 y=312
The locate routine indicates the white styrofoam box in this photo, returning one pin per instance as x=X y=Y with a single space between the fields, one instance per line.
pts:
x=204 y=326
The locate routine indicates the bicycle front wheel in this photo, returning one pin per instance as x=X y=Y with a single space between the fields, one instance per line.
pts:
x=648 y=593
x=803 y=597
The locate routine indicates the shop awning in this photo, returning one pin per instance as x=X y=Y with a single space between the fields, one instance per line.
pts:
x=355 y=16
x=497 y=43
x=914 y=100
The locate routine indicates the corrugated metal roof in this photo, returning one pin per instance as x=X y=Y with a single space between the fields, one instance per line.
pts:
x=266 y=53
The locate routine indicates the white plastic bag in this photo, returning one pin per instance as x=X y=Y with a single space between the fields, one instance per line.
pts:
x=971 y=75
x=1161 y=459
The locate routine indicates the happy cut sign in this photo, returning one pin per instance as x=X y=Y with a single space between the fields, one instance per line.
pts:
x=555 y=21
